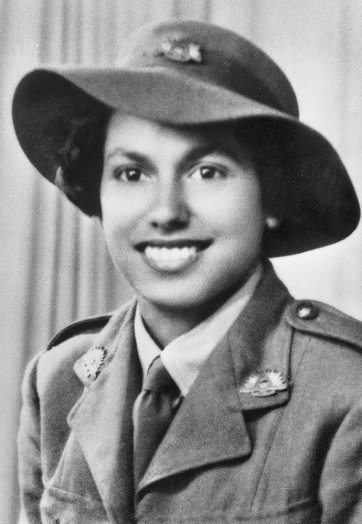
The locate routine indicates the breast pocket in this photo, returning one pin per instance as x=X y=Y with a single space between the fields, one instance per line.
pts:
x=61 y=507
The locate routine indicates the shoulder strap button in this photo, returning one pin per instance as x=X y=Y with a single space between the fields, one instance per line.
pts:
x=307 y=311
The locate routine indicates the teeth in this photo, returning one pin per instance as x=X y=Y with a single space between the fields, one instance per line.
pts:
x=170 y=257
x=185 y=252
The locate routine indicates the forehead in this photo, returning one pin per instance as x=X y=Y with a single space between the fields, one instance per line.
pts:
x=131 y=133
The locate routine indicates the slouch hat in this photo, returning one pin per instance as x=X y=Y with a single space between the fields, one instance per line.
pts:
x=193 y=73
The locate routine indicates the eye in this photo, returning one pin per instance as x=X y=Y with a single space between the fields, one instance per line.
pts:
x=129 y=174
x=207 y=173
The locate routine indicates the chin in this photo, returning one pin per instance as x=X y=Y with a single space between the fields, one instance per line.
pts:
x=174 y=301
x=180 y=296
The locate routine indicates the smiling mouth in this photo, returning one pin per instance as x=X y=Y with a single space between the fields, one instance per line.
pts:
x=172 y=255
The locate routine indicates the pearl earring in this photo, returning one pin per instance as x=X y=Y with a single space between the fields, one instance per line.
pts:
x=272 y=223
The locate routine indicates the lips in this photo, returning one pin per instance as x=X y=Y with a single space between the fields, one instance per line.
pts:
x=171 y=255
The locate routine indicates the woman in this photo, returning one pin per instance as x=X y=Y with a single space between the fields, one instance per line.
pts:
x=213 y=396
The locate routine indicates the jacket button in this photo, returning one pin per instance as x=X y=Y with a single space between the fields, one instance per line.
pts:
x=307 y=311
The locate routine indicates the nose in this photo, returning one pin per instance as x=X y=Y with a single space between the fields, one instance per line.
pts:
x=169 y=208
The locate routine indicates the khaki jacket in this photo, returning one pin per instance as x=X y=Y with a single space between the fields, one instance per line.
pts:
x=294 y=457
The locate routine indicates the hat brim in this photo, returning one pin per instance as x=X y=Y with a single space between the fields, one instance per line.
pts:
x=164 y=95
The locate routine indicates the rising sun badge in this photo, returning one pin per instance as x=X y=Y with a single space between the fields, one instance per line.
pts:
x=264 y=384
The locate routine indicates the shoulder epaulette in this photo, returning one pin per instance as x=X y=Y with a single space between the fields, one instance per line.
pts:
x=78 y=327
x=322 y=320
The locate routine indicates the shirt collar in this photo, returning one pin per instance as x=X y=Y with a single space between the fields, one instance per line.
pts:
x=184 y=356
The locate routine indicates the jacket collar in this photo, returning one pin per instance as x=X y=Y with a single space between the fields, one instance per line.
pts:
x=211 y=413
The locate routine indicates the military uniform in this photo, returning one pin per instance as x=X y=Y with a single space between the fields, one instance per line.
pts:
x=233 y=453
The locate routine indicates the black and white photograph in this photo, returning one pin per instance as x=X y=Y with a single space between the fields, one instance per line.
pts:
x=181 y=261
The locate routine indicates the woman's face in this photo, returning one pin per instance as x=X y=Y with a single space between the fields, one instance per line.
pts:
x=181 y=210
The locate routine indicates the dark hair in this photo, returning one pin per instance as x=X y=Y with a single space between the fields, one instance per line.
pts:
x=290 y=180
x=268 y=145
x=80 y=161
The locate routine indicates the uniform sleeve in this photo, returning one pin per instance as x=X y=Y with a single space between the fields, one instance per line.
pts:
x=30 y=473
x=341 y=481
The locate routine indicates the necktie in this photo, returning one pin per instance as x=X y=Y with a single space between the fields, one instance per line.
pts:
x=155 y=409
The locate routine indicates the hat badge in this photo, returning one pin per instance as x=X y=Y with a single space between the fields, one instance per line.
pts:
x=264 y=384
x=181 y=51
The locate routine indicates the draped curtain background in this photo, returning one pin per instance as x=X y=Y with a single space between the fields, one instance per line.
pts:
x=53 y=265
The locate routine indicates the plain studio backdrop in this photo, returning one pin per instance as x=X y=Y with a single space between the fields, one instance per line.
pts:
x=54 y=267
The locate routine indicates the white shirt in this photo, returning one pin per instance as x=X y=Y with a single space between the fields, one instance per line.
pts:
x=184 y=356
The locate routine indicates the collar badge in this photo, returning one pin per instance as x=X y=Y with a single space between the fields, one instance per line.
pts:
x=89 y=366
x=181 y=51
x=264 y=384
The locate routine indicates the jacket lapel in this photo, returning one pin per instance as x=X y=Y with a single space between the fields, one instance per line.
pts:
x=209 y=426
x=102 y=419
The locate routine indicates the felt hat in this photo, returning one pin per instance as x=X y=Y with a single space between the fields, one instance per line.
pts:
x=191 y=73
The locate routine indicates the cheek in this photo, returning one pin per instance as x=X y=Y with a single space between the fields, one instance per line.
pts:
x=117 y=221
x=234 y=210
x=121 y=208
x=247 y=217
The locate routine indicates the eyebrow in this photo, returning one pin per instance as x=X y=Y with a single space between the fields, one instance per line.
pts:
x=139 y=158
x=207 y=149
x=190 y=157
